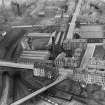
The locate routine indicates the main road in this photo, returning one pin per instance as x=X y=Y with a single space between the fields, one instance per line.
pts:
x=88 y=54
x=74 y=19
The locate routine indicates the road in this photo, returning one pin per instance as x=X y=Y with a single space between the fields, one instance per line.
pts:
x=28 y=97
x=88 y=54
x=6 y=89
x=72 y=24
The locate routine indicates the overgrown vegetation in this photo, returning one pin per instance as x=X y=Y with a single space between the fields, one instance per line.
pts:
x=93 y=11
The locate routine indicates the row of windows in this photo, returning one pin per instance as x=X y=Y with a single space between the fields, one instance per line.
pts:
x=68 y=46
x=89 y=79
x=98 y=40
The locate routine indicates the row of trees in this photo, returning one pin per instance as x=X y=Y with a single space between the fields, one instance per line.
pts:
x=14 y=8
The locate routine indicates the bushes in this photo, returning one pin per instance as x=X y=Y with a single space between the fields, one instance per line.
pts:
x=92 y=12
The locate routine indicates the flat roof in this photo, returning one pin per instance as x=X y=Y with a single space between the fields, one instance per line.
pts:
x=91 y=31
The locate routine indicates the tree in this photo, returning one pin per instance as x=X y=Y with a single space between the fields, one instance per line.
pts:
x=4 y=11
